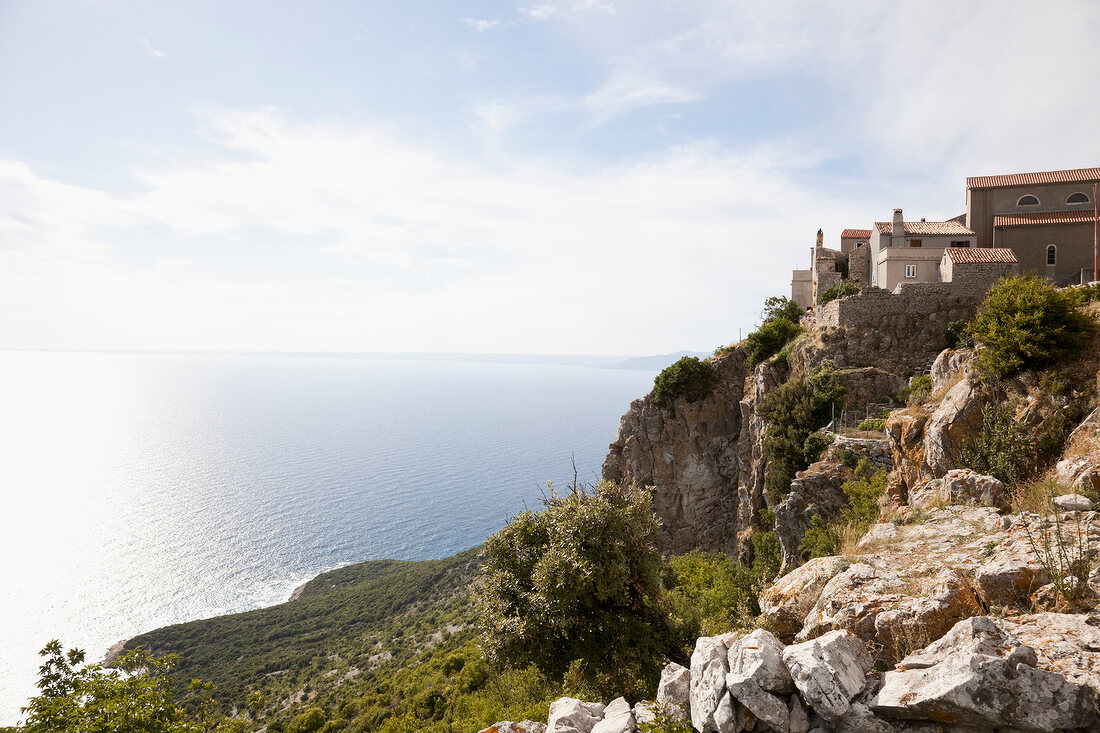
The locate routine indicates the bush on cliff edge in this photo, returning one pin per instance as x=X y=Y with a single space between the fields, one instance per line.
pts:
x=576 y=588
x=689 y=377
x=1026 y=322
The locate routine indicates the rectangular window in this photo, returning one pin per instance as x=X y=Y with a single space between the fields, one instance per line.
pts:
x=960 y=244
x=910 y=270
x=914 y=242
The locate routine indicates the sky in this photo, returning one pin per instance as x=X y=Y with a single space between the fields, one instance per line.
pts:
x=563 y=176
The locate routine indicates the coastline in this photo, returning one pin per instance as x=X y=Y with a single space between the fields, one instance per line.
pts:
x=294 y=595
x=113 y=651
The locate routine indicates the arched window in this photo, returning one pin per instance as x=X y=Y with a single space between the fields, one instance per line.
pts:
x=1052 y=254
x=1077 y=198
x=1028 y=200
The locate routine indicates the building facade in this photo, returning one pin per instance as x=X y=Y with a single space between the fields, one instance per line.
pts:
x=1049 y=219
x=910 y=251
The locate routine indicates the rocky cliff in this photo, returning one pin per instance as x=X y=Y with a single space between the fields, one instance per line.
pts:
x=971 y=605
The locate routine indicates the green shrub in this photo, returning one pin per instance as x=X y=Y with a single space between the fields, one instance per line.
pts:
x=958 y=335
x=715 y=593
x=777 y=307
x=837 y=291
x=916 y=391
x=766 y=341
x=848 y=457
x=875 y=424
x=823 y=537
x=1026 y=322
x=1003 y=447
x=310 y=721
x=689 y=377
x=794 y=410
x=580 y=580
x=815 y=445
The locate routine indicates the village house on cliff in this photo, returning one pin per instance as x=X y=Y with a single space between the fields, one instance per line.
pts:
x=1045 y=223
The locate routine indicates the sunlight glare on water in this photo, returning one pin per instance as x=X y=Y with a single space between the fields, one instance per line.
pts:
x=144 y=490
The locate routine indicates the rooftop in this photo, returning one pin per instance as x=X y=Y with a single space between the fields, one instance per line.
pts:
x=977 y=255
x=927 y=227
x=1031 y=179
x=1080 y=216
x=855 y=234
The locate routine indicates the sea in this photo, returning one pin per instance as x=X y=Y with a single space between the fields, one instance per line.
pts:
x=140 y=490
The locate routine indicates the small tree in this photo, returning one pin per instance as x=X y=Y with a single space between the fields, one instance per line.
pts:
x=1025 y=322
x=580 y=580
x=74 y=698
x=779 y=306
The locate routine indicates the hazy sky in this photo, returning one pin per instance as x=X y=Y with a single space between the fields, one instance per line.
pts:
x=584 y=176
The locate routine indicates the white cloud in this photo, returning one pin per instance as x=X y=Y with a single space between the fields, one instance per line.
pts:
x=153 y=52
x=480 y=25
x=540 y=13
x=349 y=237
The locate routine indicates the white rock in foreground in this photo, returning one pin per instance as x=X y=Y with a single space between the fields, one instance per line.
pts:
x=674 y=691
x=709 y=704
x=617 y=718
x=569 y=715
x=829 y=671
x=759 y=656
x=764 y=705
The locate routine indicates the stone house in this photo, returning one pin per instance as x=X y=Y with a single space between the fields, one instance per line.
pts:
x=1049 y=219
x=852 y=238
x=977 y=268
x=823 y=274
x=910 y=251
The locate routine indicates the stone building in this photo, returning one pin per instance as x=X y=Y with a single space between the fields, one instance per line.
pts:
x=910 y=251
x=852 y=238
x=825 y=271
x=977 y=268
x=1048 y=219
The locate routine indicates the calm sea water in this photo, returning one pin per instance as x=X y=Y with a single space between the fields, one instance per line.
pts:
x=144 y=490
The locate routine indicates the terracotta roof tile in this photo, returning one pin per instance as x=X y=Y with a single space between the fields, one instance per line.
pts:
x=927 y=227
x=856 y=234
x=980 y=254
x=1032 y=218
x=1032 y=179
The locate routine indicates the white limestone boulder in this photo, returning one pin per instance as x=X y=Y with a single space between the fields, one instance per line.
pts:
x=617 y=718
x=981 y=674
x=524 y=726
x=763 y=705
x=1073 y=503
x=829 y=671
x=788 y=600
x=645 y=712
x=569 y=715
x=799 y=719
x=674 y=691
x=709 y=703
x=960 y=486
x=1010 y=581
x=759 y=656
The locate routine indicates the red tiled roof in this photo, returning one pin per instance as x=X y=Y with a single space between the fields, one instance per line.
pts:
x=979 y=255
x=1081 y=216
x=927 y=227
x=1032 y=179
x=856 y=234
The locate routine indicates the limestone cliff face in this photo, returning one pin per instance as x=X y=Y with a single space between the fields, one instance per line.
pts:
x=689 y=452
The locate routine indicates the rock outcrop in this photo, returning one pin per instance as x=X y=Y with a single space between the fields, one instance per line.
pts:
x=689 y=453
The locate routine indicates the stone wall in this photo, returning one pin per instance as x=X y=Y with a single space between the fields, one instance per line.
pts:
x=859 y=265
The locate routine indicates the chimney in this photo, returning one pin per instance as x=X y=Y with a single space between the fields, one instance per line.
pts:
x=820 y=238
x=898 y=228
